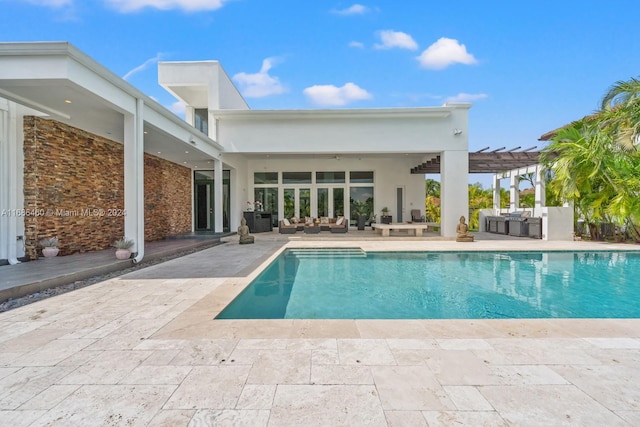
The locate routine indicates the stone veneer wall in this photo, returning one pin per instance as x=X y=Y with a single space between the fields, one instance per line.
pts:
x=76 y=178
x=167 y=198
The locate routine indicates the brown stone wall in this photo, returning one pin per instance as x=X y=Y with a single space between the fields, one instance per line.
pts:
x=167 y=198
x=76 y=179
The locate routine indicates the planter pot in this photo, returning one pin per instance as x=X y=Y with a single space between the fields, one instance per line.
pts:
x=361 y=221
x=123 y=253
x=50 y=252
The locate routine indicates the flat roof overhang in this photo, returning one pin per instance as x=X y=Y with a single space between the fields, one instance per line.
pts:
x=64 y=84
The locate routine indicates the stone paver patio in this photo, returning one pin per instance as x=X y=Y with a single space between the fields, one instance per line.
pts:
x=143 y=349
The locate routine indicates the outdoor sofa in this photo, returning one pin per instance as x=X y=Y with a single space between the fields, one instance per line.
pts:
x=333 y=225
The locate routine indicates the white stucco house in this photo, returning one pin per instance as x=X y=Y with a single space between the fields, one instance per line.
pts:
x=57 y=101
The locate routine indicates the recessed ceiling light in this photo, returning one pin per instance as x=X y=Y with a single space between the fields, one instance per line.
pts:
x=145 y=132
x=67 y=101
x=186 y=152
x=159 y=152
x=184 y=163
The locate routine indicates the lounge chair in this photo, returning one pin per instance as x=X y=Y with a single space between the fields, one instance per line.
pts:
x=416 y=216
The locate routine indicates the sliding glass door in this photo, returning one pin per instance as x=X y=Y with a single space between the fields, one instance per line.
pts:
x=330 y=202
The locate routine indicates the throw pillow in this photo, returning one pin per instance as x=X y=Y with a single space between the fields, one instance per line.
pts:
x=340 y=220
x=295 y=220
x=286 y=221
x=324 y=220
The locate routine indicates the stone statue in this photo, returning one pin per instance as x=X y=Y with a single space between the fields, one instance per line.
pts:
x=243 y=233
x=462 y=231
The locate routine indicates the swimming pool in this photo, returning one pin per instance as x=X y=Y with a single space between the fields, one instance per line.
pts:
x=352 y=284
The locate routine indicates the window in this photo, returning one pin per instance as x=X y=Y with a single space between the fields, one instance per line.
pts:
x=330 y=177
x=289 y=202
x=200 y=175
x=323 y=202
x=338 y=202
x=268 y=196
x=296 y=177
x=201 y=120
x=265 y=178
x=305 y=202
x=361 y=202
x=361 y=177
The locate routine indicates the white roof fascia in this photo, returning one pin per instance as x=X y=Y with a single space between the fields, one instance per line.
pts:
x=424 y=112
x=208 y=75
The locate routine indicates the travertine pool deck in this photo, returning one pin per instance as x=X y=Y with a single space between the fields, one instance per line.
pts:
x=143 y=349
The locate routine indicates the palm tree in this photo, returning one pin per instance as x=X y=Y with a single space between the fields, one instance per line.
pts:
x=432 y=188
x=432 y=200
x=620 y=113
x=479 y=198
x=592 y=170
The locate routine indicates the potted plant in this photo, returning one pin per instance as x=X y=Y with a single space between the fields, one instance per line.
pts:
x=123 y=248
x=49 y=246
x=385 y=218
x=359 y=213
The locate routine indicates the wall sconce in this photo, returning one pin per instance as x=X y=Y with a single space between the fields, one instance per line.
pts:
x=457 y=132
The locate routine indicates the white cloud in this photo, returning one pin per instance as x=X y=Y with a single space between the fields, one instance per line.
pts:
x=260 y=84
x=356 y=44
x=356 y=9
x=331 y=95
x=391 y=39
x=467 y=97
x=143 y=66
x=445 y=52
x=126 y=6
x=178 y=108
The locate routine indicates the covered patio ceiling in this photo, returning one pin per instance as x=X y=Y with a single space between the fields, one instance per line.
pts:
x=484 y=161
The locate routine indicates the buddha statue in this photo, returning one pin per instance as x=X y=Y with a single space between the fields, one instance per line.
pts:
x=243 y=233
x=462 y=231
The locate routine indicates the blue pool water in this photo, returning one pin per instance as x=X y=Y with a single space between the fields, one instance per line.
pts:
x=349 y=284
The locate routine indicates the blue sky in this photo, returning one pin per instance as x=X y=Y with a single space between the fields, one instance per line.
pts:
x=527 y=66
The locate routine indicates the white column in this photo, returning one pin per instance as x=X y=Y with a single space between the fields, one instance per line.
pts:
x=496 y=195
x=8 y=183
x=540 y=194
x=190 y=115
x=454 y=190
x=514 y=194
x=134 y=179
x=212 y=124
x=217 y=195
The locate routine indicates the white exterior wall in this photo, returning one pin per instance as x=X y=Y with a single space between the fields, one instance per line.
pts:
x=201 y=84
x=557 y=223
x=428 y=130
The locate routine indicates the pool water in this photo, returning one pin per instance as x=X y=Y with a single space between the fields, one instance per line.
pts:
x=352 y=284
